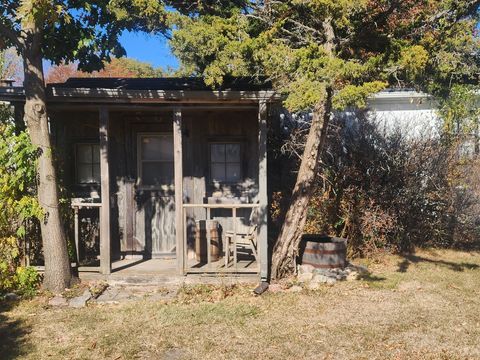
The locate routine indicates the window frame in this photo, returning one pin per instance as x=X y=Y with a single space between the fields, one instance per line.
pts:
x=140 y=162
x=77 y=163
x=240 y=162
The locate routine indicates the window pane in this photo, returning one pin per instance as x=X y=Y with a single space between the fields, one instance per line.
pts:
x=157 y=173
x=233 y=152
x=84 y=173
x=217 y=152
x=157 y=147
x=84 y=153
x=233 y=172
x=218 y=172
x=96 y=153
x=96 y=173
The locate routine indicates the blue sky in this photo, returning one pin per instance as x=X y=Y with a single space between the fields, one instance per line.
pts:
x=144 y=47
x=148 y=48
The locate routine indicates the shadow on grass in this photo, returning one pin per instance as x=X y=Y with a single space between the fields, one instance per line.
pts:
x=414 y=259
x=12 y=333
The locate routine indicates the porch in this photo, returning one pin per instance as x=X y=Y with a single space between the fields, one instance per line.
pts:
x=182 y=183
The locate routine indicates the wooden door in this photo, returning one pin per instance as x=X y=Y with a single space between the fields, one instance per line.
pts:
x=155 y=197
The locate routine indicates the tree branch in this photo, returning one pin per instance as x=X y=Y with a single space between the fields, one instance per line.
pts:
x=9 y=34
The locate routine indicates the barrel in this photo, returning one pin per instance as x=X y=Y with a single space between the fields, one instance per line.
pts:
x=323 y=252
x=201 y=240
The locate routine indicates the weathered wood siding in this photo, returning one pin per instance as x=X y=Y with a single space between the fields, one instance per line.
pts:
x=143 y=219
x=201 y=128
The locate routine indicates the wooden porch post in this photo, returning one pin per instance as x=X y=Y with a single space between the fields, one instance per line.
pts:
x=105 y=255
x=178 y=173
x=262 y=240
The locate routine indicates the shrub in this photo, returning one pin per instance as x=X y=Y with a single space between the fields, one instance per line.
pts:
x=13 y=277
x=27 y=280
x=390 y=191
x=9 y=254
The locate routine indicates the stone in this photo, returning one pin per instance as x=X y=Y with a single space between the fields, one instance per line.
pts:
x=362 y=270
x=331 y=281
x=304 y=277
x=80 y=301
x=12 y=297
x=353 y=275
x=58 y=301
x=302 y=269
x=107 y=296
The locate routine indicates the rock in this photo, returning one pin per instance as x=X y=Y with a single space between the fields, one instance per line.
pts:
x=305 y=269
x=331 y=281
x=80 y=301
x=361 y=270
x=12 y=297
x=304 y=277
x=295 y=289
x=58 y=301
x=107 y=296
x=353 y=275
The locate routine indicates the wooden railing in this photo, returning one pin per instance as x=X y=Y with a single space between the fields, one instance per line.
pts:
x=208 y=268
x=76 y=206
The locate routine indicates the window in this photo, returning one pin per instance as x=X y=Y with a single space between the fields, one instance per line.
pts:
x=155 y=163
x=225 y=163
x=87 y=163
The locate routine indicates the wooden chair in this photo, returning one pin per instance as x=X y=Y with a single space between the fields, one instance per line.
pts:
x=245 y=239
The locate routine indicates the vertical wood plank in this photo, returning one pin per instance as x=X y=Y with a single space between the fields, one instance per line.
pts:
x=105 y=246
x=208 y=227
x=128 y=217
x=178 y=174
x=77 y=240
x=235 y=259
x=262 y=219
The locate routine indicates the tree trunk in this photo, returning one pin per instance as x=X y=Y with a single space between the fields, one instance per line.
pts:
x=57 y=275
x=286 y=248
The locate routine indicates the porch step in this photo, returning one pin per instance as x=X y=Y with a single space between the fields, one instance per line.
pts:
x=168 y=280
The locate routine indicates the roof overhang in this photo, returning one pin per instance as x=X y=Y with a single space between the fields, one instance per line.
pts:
x=63 y=95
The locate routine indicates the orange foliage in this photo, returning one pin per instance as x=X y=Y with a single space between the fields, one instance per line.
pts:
x=115 y=68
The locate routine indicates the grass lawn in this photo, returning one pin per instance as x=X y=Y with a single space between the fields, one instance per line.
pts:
x=424 y=306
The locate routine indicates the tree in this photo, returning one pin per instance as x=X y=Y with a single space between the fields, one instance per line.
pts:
x=326 y=55
x=65 y=31
x=85 y=32
x=117 y=67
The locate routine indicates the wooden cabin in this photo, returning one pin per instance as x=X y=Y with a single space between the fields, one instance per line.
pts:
x=164 y=166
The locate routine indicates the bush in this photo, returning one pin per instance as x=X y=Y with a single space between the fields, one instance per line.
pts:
x=9 y=257
x=389 y=191
x=27 y=281
x=13 y=277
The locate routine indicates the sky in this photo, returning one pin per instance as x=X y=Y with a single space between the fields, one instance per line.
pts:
x=148 y=48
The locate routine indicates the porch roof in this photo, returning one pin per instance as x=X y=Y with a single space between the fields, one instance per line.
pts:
x=151 y=90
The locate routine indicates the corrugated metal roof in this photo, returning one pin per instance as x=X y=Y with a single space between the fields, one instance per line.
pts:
x=174 y=83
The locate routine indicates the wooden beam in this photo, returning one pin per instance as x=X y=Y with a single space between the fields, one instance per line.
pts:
x=178 y=174
x=157 y=96
x=105 y=245
x=262 y=235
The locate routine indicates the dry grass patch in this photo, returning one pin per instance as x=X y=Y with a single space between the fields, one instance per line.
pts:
x=414 y=307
